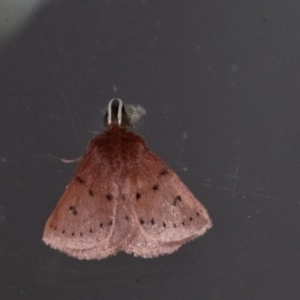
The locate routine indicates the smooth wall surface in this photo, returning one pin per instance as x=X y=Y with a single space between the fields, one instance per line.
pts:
x=220 y=81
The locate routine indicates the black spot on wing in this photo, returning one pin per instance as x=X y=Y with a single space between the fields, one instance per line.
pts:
x=79 y=179
x=73 y=210
x=155 y=187
x=109 y=197
x=163 y=172
x=176 y=200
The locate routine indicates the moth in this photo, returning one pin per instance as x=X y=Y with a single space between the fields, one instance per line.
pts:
x=123 y=197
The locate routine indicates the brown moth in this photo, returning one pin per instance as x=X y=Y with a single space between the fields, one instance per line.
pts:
x=123 y=197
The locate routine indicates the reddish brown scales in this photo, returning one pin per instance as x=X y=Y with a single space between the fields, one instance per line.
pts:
x=123 y=197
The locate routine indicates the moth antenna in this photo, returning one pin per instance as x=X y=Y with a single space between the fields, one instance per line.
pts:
x=109 y=111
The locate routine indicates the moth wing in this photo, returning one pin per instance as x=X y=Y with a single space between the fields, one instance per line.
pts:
x=168 y=214
x=86 y=223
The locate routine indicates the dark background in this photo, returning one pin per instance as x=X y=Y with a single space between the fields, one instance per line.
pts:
x=220 y=82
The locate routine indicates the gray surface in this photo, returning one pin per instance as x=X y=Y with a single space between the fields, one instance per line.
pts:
x=220 y=83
